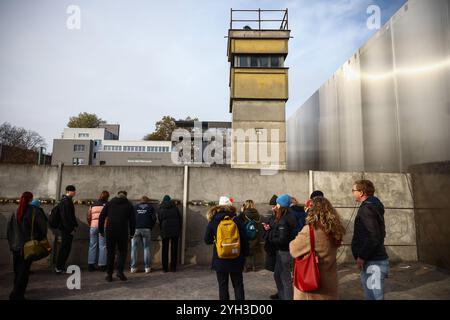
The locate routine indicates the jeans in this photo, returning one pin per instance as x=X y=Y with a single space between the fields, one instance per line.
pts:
x=238 y=284
x=145 y=235
x=372 y=279
x=173 y=253
x=97 y=243
x=64 y=251
x=283 y=276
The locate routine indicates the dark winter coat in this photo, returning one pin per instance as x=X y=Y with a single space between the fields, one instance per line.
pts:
x=300 y=215
x=269 y=247
x=67 y=212
x=19 y=233
x=121 y=217
x=283 y=232
x=170 y=220
x=252 y=214
x=227 y=265
x=369 y=231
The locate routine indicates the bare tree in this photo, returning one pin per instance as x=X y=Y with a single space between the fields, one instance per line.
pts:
x=20 y=137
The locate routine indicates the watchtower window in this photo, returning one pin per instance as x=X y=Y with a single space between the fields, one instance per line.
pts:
x=259 y=61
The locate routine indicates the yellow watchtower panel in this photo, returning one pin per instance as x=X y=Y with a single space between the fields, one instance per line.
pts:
x=257 y=50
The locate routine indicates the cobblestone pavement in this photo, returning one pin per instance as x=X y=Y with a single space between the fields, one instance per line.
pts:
x=407 y=281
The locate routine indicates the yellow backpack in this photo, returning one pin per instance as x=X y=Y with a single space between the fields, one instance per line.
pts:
x=227 y=240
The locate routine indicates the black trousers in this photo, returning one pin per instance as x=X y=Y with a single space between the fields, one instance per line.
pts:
x=173 y=253
x=113 y=241
x=21 y=273
x=64 y=251
x=238 y=284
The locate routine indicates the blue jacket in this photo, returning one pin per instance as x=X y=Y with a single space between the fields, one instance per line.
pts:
x=145 y=216
x=227 y=265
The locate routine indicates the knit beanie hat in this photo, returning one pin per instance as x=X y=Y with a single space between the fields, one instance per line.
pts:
x=284 y=200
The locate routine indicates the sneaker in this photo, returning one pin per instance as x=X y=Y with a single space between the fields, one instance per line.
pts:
x=59 y=271
x=134 y=270
x=275 y=296
x=121 y=276
x=91 y=268
x=148 y=270
x=109 y=278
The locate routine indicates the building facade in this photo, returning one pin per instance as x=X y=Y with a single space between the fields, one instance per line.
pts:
x=101 y=146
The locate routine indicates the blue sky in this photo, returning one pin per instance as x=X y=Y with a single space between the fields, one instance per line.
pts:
x=134 y=61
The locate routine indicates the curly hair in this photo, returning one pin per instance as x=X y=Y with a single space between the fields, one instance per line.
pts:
x=216 y=209
x=322 y=215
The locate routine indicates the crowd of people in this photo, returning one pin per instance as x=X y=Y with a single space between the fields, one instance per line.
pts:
x=236 y=235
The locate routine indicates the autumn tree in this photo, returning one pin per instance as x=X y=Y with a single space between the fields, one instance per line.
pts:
x=85 y=120
x=164 y=128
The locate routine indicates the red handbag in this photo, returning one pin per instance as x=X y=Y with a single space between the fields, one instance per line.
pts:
x=306 y=270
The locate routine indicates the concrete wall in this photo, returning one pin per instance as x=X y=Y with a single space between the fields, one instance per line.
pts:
x=431 y=185
x=369 y=116
x=206 y=185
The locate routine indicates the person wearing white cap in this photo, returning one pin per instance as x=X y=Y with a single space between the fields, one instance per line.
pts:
x=230 y=266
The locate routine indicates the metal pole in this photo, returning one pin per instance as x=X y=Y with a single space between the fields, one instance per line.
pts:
x=185 y=208
x=259 y=18
x=39 y=156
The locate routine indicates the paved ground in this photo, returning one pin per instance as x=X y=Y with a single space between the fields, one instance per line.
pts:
x=407 y=281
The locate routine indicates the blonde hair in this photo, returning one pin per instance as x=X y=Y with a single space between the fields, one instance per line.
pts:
x=322 y=215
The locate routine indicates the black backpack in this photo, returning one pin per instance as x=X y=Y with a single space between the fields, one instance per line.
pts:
x=54 y=219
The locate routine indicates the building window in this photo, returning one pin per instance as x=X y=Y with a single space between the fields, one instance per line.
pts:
x=98 y=143
x=83 y=135
x=95 y=155
x=78 y=147
x=78 y=161
x=243 y=62
x=261 y=61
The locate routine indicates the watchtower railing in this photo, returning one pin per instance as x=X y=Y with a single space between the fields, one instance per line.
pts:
x=283 y=21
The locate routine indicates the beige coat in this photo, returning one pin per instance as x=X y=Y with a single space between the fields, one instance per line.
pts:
x=326 y=252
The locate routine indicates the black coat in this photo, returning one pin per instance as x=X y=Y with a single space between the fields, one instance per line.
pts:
x=121 y=217
x=269 y=247
x=19 y=233
x=68 y=218
x=369 y=231
x=170 y=220
x=300 y=215
x=227 y=265
x=283 y=232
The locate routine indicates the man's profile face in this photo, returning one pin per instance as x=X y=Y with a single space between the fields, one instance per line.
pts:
x=356 y=193
x=71 y=193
